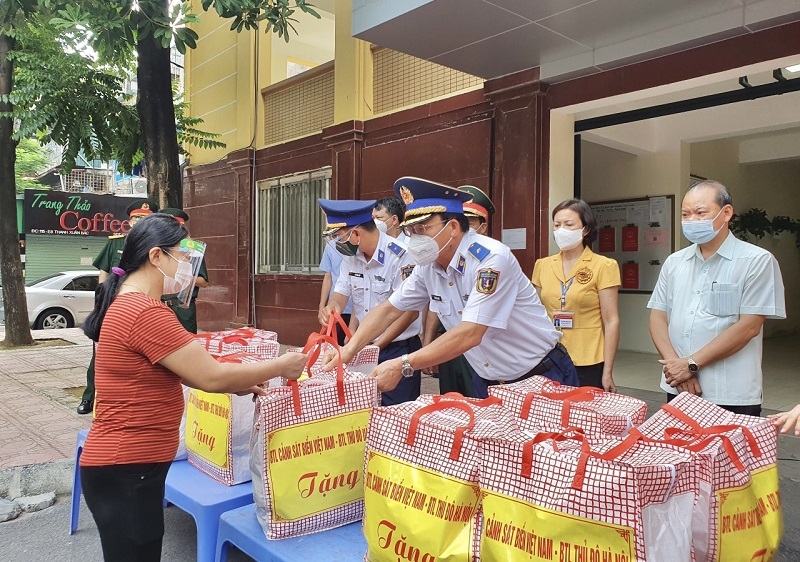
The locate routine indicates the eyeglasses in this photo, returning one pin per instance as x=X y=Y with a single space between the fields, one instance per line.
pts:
x=420 y=228
x=334 y=237
x=182 y=256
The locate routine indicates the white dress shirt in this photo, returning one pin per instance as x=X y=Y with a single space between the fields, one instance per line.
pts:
x=369 y=283
x=702 y=298
x=484 y=284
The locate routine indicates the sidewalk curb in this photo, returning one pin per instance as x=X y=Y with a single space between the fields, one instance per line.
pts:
x=33 y=479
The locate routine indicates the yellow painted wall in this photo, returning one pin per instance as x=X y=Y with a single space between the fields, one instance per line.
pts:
x=219 y=85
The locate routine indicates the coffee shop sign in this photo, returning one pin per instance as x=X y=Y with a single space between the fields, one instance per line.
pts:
x=53 y=212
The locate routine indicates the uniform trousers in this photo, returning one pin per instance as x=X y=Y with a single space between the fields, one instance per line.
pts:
x=408 y=388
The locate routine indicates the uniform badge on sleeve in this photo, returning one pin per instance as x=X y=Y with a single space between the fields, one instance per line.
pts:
x=487 y=281
x=584 y=275
x=406 y=270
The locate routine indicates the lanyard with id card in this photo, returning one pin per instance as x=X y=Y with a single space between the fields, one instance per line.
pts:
x=562 y=319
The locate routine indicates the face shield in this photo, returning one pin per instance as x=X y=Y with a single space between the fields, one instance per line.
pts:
x=190 y=256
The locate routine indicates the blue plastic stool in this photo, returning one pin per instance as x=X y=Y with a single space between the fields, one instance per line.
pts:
x=205 y=499
x=241 y=528
x=76 y=483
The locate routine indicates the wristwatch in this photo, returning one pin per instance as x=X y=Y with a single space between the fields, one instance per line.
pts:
x=407 y=371
x=693 y=367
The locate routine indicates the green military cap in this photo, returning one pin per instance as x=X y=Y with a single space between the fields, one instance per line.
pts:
x=480 y=205
x=179 y=214
x=142 y=208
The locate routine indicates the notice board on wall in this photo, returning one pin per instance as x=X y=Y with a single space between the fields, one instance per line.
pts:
x=638 y=234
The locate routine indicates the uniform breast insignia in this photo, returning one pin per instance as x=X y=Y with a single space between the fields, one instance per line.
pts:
x=487 y=281
x=478 y=251
x=436 y=298
x=406 y=270
x=462 y=264
x=356 y=274
x=396 y=249
x=584 y=275
x=379 y=278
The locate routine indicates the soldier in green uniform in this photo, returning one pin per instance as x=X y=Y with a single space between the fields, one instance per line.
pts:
x=105 y=260
x=456 y=375
x=186 y=316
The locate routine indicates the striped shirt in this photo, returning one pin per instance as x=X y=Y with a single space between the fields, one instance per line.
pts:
x=139 y=403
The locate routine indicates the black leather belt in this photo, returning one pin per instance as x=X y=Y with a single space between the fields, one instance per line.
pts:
x=542 y=367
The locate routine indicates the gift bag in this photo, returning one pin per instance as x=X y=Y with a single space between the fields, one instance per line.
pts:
x=421 y=496
x=218 y=428
x=563 y=496
x=590 y=409
x=744 y=500
x=242 y=340
x=307 y=450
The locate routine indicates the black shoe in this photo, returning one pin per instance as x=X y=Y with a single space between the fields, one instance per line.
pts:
x=85 y=407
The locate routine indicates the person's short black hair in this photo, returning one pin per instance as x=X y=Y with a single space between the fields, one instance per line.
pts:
x=391 y=205
x=368 y=226
x=462 y=219
x=585 y=213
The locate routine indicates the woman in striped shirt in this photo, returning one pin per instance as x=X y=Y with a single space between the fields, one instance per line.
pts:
x=143 y=356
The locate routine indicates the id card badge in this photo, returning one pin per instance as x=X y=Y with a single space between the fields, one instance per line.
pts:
x=562 y=319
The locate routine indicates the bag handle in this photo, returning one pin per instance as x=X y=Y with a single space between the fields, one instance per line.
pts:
x=455 y=451
x=572 y=434
x=330 y=328
x=315 y=342
x=583 y=394
x=755 y=450
x=458 y=397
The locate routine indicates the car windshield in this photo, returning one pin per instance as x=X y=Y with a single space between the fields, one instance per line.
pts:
x=43 y=280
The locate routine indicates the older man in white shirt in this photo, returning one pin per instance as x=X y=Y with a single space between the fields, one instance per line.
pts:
x=709 y=305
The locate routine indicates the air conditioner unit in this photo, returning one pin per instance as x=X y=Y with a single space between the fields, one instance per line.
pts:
x=139 y=186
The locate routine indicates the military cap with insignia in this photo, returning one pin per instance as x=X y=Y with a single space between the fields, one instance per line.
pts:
x=141 y=208
x=348 y=212
x=480 y=205
x=424 y=198
x=178 y=214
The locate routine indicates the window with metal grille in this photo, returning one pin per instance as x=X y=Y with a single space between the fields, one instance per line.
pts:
x=290 y=223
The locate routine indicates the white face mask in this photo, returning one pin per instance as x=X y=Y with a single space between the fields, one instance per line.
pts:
x=182 y=280
x=567 y=239
x=700 y=232
x=381 y=225
x=424 y=249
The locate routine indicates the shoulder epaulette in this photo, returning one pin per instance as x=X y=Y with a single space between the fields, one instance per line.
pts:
x=478 y=252
x=116 y=236
x=396 y=249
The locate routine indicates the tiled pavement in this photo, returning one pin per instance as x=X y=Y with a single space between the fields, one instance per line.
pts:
x=38 y=422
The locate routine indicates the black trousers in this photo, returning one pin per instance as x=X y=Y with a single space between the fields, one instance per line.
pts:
x=591 y=375
x=753 y=410
x=408 y=389
x=127 y=503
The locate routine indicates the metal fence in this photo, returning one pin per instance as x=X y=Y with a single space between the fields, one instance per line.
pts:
x=290 y=222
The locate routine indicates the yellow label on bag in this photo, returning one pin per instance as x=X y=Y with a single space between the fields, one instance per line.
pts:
x=750 y=525
x=411 y=513
x=208 y=426
x=516 y=530
x=316 y=466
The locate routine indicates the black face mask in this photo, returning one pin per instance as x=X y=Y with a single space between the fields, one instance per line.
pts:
x=346 y=248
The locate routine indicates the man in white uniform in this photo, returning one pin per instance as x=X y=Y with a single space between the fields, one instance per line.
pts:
x=373 y=267
x=709 y=305
x=475 y=285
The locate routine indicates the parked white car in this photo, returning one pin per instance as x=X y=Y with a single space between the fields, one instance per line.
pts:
x=60 y=300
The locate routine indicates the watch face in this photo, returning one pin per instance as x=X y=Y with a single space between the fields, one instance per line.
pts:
x=693 y=367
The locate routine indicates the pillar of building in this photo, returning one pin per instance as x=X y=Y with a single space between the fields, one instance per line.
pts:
x=520 y=153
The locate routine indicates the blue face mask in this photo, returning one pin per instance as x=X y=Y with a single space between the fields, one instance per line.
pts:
x=700 y=232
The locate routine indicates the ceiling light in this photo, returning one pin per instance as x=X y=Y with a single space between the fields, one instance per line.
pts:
x=793 y=68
